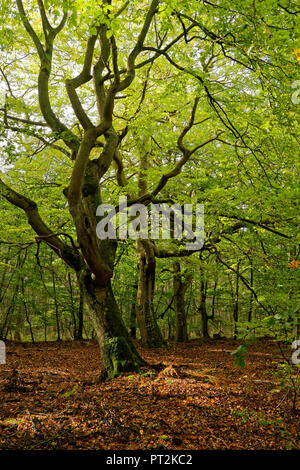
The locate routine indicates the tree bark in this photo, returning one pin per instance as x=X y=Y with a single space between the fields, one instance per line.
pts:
x=251 y=300
x=204 y=316
x=132 y=319
x=180 y=287
x=55 y=300
x=150 y=333
x=8 y=311
x=74 y=333
x=118 y=353
x=26 y=310
x=79 y=331
x=236 y=303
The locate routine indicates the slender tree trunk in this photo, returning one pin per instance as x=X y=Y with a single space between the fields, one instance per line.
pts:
x=132 y=320
x=8 y=311
x=55 y=300
x=5 y=325
x=236 y=303
x=179 y=287
x=170 y=329
x=19 y=324
x=202 y=307
x=77 y=318
x=213 y=302
x=4 y=288
x=150 y=333
x=251 y=300
x=45 y=318
x=79 y=332
x=72 y=306
x=26 y=311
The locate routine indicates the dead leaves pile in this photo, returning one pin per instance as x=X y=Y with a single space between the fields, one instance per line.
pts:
x=195 y=399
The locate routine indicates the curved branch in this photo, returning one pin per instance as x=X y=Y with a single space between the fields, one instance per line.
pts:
x=45 y=54
x=185 y=151
x=30 y=30
x=84 y=77
x=138 y=46
x=68 y=254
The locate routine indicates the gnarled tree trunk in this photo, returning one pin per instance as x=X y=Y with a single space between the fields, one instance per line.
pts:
x=118 y=353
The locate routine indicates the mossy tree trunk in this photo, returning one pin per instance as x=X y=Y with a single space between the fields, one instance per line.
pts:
x=118 y=353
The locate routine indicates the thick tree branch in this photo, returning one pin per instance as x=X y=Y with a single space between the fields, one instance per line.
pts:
x=82 y=158
x=65 y=252
x=45 y=54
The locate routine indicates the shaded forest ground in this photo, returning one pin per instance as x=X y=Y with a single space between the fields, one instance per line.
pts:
x=49 y=399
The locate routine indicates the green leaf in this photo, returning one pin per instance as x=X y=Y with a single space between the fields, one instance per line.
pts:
x=71 y=392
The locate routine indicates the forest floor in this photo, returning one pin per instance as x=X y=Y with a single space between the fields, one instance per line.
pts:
x=49 y=399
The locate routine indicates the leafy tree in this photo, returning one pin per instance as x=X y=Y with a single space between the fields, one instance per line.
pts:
x=159 y=101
